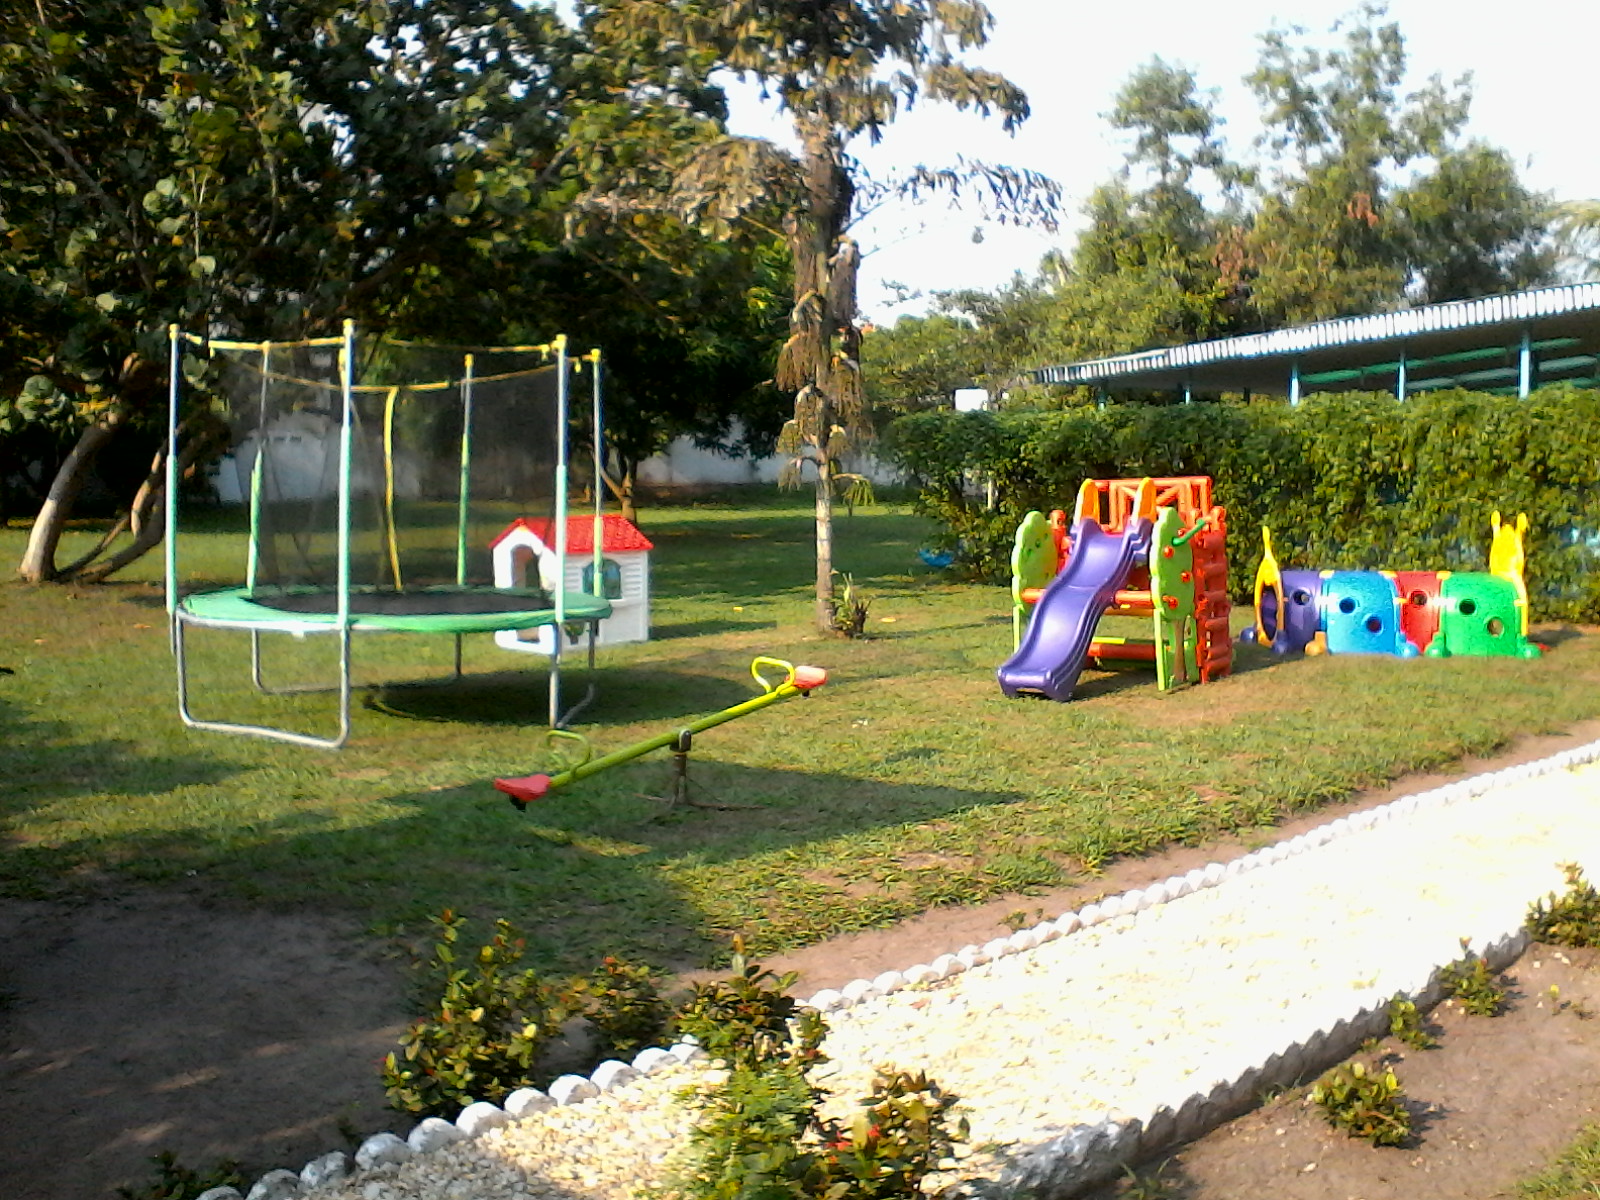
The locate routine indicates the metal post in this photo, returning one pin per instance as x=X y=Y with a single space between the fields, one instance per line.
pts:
x=465 y=489
x=1400 y=378
x=1188 y=393
x=599 y=587
x=258 y=474
x=174 y=365
x=1294 y=383
x=347 y=371
x=1525 y=373
x=560 y=605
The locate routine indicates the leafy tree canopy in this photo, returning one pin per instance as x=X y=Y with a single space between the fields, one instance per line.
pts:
x=1363 y=198
x=838 y=71
x=268 y=168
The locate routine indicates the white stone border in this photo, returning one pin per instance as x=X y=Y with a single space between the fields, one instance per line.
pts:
x=1061 y=1161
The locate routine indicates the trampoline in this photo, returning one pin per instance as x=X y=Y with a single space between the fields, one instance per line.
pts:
x=374 y=473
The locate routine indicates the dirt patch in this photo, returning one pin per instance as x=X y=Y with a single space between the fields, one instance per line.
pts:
x=1491 y=1105
x=164 y=1020
x=160 y=1021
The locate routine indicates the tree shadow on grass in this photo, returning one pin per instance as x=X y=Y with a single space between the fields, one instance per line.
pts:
x=623 y=693
x=691 y=629
x=43 y=761
x=595 y=869
x=1556 y=637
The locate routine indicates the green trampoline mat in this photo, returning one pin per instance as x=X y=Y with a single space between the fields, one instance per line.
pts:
x=420 y=610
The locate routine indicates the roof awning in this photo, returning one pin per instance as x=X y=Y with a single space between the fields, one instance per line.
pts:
x=1479 y=344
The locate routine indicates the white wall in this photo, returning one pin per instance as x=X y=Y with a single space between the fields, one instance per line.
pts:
x=684 y=464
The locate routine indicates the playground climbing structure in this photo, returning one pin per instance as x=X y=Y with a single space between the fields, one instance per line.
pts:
x=1148 y=548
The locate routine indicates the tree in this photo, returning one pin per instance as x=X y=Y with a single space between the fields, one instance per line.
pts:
x=240 y=166
x=918 y=363
x=1474 y=229
x=839 y=72
x=1339 y=232
x=1575 y=229
x=267 y=168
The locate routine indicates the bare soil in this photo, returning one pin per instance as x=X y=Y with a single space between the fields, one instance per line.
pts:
x=1494 y=1102
x=140 y=1020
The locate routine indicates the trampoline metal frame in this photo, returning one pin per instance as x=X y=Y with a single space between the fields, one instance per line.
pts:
x=346 y=622
x=345 y=686
x=180 y=622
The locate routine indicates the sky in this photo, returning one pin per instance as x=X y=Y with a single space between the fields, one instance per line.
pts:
x=1531 y=62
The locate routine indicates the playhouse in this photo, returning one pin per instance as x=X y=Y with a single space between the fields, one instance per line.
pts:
x=624 y=564
x=1148 y=548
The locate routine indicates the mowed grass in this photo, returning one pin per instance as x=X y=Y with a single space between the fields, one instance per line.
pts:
x=907 y=782
x=1574 y=1175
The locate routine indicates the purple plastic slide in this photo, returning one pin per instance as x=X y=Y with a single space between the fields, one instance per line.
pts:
x=1057 y=638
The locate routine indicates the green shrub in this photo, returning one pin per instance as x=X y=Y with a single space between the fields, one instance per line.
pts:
x=1473 y=985
x=480 y=1037
x=1405 y=1024
x=745 y=1018
x=1364 y=1103
x=850 y=607
x=759 y=1135
x=624 y=1008
x=1571 y=919
x=174 y=1181
x=1353 y=480
x=897 y=1140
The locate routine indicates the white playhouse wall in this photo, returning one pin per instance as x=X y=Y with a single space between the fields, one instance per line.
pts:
x=630 y=614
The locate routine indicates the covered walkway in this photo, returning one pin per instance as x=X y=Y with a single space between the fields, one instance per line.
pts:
x=1508 y=344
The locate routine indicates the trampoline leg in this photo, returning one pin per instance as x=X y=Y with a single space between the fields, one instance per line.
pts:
x=264 y=731
x=590 y=692
x=554 y=686
x=258 y=675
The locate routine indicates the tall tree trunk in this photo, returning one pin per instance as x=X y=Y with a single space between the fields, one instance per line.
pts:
x=825 y=617
x=39 y=560
x=621 y=487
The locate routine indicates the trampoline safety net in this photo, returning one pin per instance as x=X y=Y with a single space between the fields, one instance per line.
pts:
x=447 y=446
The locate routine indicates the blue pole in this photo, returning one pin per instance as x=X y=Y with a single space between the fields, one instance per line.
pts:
x=1294 y=382
x=1400 y=378
x=1525 y=374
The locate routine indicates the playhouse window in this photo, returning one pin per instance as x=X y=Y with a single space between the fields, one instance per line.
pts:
x=610 y=579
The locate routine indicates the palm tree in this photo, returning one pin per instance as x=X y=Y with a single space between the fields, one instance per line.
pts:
x=839 y=70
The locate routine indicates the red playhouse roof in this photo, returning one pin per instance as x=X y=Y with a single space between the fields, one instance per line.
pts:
x=617 y=534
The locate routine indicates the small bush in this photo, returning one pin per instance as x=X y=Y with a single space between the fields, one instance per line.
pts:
x=1405 y=1024
x=1571 y=919
x=850 y=608
x=744 y=1019
x=624 y=1008
x=1364 y=1103
x=898 y=1139
x=479 y=1040
x=759 y=1134
x=174 y=1181
x=1473 y=985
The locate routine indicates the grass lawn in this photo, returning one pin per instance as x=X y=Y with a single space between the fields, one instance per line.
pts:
x=906 y=782
x=1574 y=1175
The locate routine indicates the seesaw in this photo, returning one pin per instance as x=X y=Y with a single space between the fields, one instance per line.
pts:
x=523 y=790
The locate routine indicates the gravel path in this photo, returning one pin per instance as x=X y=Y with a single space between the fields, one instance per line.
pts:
x=1069 y=1052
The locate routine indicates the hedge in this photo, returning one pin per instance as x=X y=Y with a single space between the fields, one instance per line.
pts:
x=1350 y=480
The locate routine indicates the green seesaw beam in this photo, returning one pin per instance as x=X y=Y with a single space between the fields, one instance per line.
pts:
x=798 y=681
